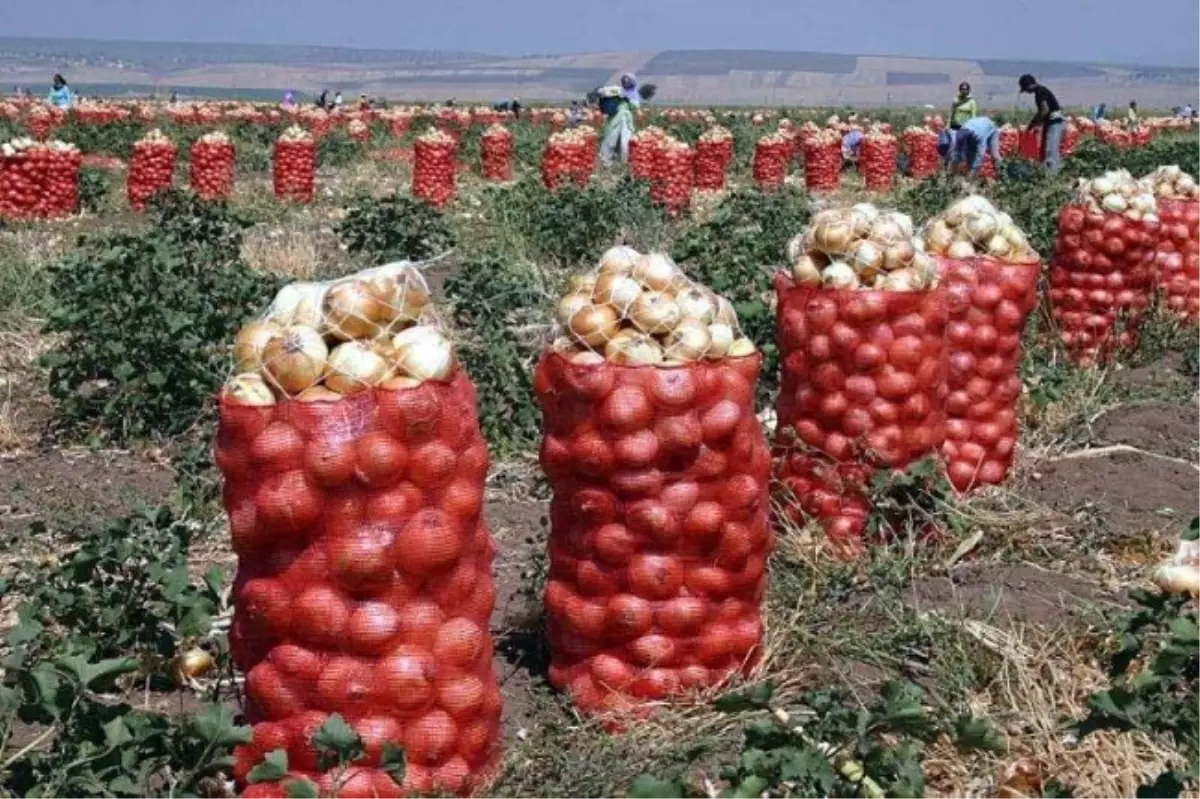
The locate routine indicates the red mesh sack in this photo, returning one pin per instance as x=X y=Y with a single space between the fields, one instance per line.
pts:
x=1101 y=280
x=22 y=175
x=558 y=162
x=877 y=161
x=1142 y=136
x=714 y=152
x=1010 y=141
x=210 y=171
x=672 y=184
x=496 y=149
x=1178 y=256
x=295 y=166
x=151 y=169
x=364 y=582
x=319 y=122
x=643 y=153
x=1070 y=140
x=583 y=156
x=359 y=131
x=823 y=161
x=43 y=120
x=989 y=302
x=771 y=155
x=658 y=466
x=433 y=167
x=60 y=188
x=1030 y=145
x=400 y=123
x=923 y=158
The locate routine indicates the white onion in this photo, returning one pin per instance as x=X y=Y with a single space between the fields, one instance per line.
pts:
x=886 y=230
x=1113 y=202
x=898 y=255
x=806 y=272
x=839 y=275
x=961 y=249
x=654 y=312
x=982 y=227
x=618 y=260
x=616 y=290
x=249 y=389
x=721 y=338
x=425 y=356
x=295 y=359
x=689 y=341
x=249 y=343
x=865 y=256
x=636 y=350
x=299 y=304
x=1102 y=185
x=697 y=304
x=902 y=280
x=904 y=221
x=655 y=271
x=999 y=246
x=353 y=367
x=741 y=348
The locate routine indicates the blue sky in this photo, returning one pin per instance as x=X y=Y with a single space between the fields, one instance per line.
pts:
x=1150 y=32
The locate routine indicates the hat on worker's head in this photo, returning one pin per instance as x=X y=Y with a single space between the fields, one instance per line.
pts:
x=609 y=91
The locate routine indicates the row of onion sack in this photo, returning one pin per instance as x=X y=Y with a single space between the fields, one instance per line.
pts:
x=38 y=179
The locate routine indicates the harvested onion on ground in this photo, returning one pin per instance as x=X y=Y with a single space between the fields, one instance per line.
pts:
x=639 y=309
x=973 y=227
x=860 y=247
x=325 y=341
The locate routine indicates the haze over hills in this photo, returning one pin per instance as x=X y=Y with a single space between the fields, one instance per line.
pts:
x=724 y=77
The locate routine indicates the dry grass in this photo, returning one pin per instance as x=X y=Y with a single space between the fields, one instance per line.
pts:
x=296 y=253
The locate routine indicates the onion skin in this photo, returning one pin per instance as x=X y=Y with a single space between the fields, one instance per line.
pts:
x=295 y=359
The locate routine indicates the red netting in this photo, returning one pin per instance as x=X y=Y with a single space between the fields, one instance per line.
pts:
x=295 y=170
x=558 y=164
x=771 y=155
x=151 y=170
x=659 y=534
x=496 y=149
x=400 y=124
x=712 y=158
x=672 y=185
x=1178 y=256
x=877 y=161
x=989 y=301
x=1070 y=140
x=1101 y=279
x=863 y=388
x=1030 y=145
x=364 y=580
x=1010 y=141
x=433 y=169
x=822 y=164
x=643 y=152
x=210 y=171
x=923 y=158
x=41 y=181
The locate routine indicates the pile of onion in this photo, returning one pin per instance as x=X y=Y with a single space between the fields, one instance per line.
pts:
x=1171 y=182
x=716 y=134
x=641 y=310
x=1117 y=192
x=324 y=341
x=860 y=247
x=295 y=133
x=973 y=227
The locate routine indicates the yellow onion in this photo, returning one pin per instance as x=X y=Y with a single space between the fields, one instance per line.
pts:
x=795 y=247
x=616 y=290
x=898 y=255
x=191 y=665
x=581 y=284
x=295 y=359
x=299 y=304
x=594 y=325
x=655 y=271
x=886 y=230
x=354 y=366
x=721 y=338
x=982 y=227
x=318 y=393
x=902 y=220
x=865 y=256
x=424 y=353
x=741 y=348
x=637 y=349
x=938 y=237
x=726 y=315
x=999 y=247
x=569 y=304
x=249 y=389
x=961 y=249
x=689 y=341
x=839 y=275
x=249 y=343
x=354 y=309
x=654 y=312
x=399 y=383
x=833 y=237
x=586 y=358
x=806 y=272
x=902 y=280
x=618 y=260
x=697 y=304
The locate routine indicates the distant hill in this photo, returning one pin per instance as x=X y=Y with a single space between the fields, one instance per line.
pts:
x=716 y=77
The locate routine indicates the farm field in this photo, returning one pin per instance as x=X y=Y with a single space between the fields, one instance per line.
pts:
x=960 y=662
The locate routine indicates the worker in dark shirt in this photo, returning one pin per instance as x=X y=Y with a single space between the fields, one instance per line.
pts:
x=1049 y=117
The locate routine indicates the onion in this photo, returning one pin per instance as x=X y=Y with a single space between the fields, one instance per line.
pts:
x=248 y=346
x=424 y=353
x=295 y=359
x=654 y=312
x=1102 y=185
x=618 y=260
x=806 y=272
x=354 y=366
x=1114 y=203
x=833 y=237
x=191 y=665
x=925 y=267
x=725 y=313
x=586 y=358
x=696 y=303
x=999 y=247
x=902 y=280
x=594 y=325
x=317 y=393
x=354 y=309
x=299 y=304
x=721 y=339
x=399 y=383
x=866 y=210
x=982 y=227
x=569 y=305
x=581 y=284
x=839 y=275
x=655 y=270
x=616 y=290
x=902 y=220
x=886 y=230
x=961 y=249
x=938 y=237
x=249 y=389
x=898 y=255
x=741 y=348
x=689 y=341
x=637 y=349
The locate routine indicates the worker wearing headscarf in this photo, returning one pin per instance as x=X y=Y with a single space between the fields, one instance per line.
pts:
x=617 y=133
x=629 y=88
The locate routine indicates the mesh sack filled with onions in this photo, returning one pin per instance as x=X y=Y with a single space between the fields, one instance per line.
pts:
x=354 y=469
x=1178 y=251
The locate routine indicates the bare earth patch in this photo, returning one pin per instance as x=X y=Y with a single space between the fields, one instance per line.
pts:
x=1156 y=427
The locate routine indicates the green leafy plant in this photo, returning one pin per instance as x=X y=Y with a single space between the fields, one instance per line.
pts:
x=915 y=501
x=143 y=322
x=830 y=745
x=94 y=188
x=393 y=228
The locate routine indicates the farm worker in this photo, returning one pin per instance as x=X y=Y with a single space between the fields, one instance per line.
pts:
x=964 y=106
x=574 y=115
x=174 y=98
x=617 y=107
x=1049 y=116
x=338 y=101
x=850 y=144
x=977 y=137
x=515 y=107
x=1131 y=116
x=629 y=88
x=60 y=95
x=289 y=100
x=363 y=103
x=1098 y=112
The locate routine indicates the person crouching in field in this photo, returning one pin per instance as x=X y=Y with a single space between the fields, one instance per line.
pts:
x=977 y=137
x=615 y=105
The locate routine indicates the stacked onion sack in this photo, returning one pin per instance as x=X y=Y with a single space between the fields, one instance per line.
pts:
x=659 y=533
x=151 y=169
x=1102 y=272
x=861 y=339
x=991 y=275
x=1178 y=251
x=823 y=160
x=673 y=175
x=295 y=165
x=359 y=131
x=354 y=475
x=877 y=160
x=211 y=165
x=643 y=152
x=60 y=188
x=433 y=166
x=921 y=146
x=563 y=160
x=38 y=179
x=496 y=149
x=771 y=155
x=714 y=152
